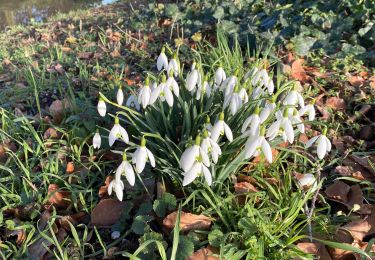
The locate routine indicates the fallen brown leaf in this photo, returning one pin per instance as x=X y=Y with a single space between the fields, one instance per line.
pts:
x=316 y=249
x=203 y=254
x=336 y=103
x=70 y=168
x=107 y=212
x=103 y=190
x=298 y=72
x=355 y=81
x=244 y=187
x=338 y=190
x=85 y=55
x=188 y=221
x=52 y=133
x=59 y=199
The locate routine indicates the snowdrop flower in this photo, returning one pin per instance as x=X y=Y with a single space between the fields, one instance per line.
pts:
x=192 y=78
x=309 y=110
x=257 y=93
x=102 y=108
x=162 y=61
x=164 y=92
x=173 y=85
x=295 y=119
x=141 y=155
x=155 y=93
x=220 y=76
x=144 y=95
x=203 y=89
x=282 y=126
x=207 y=124
x=220 y=128
x=195 y=161
x=268 y=83
x=126 y=168
x=293 y=98
x=228 y=85
x=196 y=170
x=173 y=66
x=323 y=144
x=117 y=132
x=257 y=144
x=191 y=154
x=267 y=110
x=209 y=146
x=132 y=102
x=120 y=96
x=307 y=181
x=96 y=140
x=243 y=95
x=253 y=121
x=118 y=186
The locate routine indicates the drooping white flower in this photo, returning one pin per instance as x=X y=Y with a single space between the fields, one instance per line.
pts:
x=144 y=95
x=221 y=128
x=293 y=98
x=203 y=89
x=164 y=92
x=126 y=168
x=141 y=155
x=162 y=61
x=266 y=111
x=96 y=140
x=257 y=144
x=282 y=126
x=268 y=83
x=254 y=122
x=308 y=180
x=220 y=76
x=132 y=102
x=257 y=93
x=309 y=110
x=120 y=96
x=209 y=146
x=118 y=186
x=173 y=85
x=193 y=153
x=192 y=78
x=323 y=144
x=243 y=95
x=117 y=132
x=102 y=108
x=227 y=86
x=207 y=124
x=155 y=92
x=173 y=66
x=296 y=120
x=194 y=161
x=197 y=168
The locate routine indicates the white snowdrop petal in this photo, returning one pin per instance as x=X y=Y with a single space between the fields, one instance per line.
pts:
x=307 y=180
x=154 y=95
x=141 y=159
x=162 y=62
x=228 y=132
x=96 y=141
x=191 y=174
x=191 y=80
x=251 y=146
x=207 y=175
x=129 y=173
x=124 y=134
x=266 y=149
x=151 y=157
x=102 y=108
x=329 y=146
x=204 y=156
x=288 y=130
x=188 y=157
x=113 y=134
x=322 y=147
x=301 y=102
x=110 y=187
x=120 y=96
x=168 y=96
x=119 y=190
x=216 y=130
x=311 y=141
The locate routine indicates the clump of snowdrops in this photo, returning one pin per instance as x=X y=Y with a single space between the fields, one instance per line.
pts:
x=202 y=122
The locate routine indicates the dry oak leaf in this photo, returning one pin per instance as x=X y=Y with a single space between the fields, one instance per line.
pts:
x=52 y=133
x=203 y=254
x=244 y=187
x=315 y=249
x=348 y=171
x=103 y=190
x=298 y=72
x=107 y=212
x=355 y=81
x=336 y=103
x=338 y=190
x=58 y=198
x=188 y=221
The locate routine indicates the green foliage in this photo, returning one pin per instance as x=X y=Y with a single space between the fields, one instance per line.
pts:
x=166 y=203
x=345 y=28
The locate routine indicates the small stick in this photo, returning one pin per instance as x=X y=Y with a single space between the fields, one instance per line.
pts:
x=313 y=202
